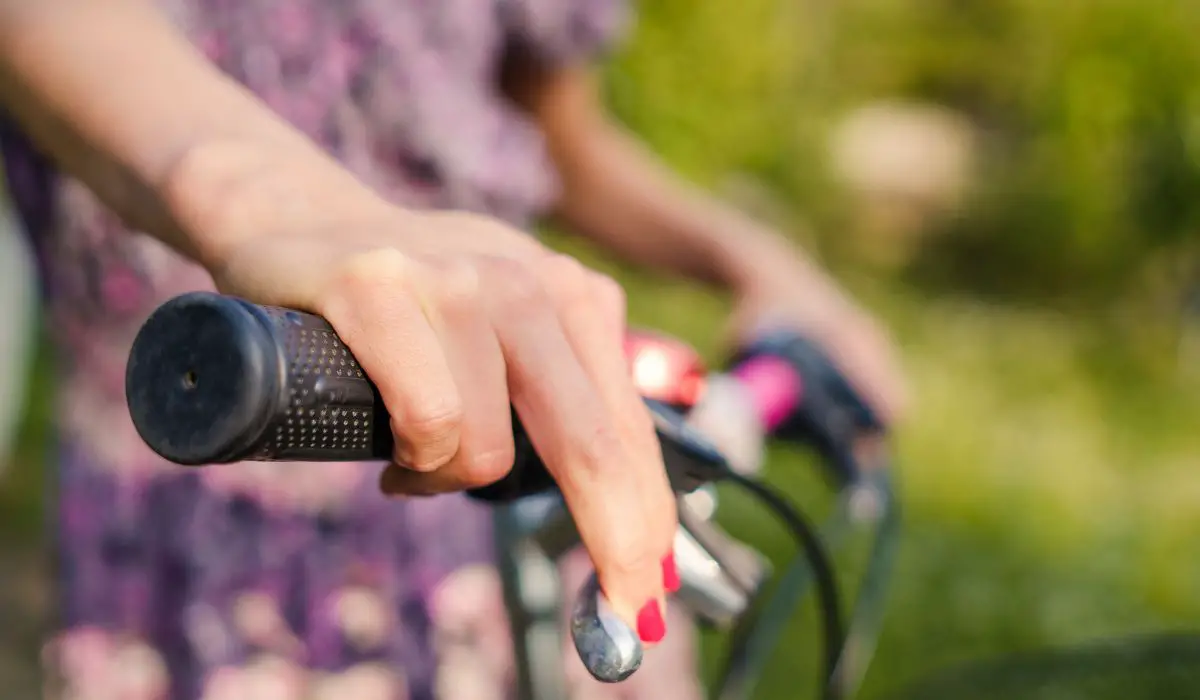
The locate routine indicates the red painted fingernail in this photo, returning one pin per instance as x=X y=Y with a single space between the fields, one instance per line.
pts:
x=650 y=624
x=671 y=580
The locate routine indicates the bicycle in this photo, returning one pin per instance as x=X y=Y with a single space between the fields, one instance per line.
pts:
x=215 y=379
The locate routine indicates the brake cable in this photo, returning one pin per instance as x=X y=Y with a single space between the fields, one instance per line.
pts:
x=758 y=633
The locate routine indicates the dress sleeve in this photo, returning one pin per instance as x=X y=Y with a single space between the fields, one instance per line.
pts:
x=557 y=32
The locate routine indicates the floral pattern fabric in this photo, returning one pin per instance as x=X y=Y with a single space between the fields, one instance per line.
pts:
x=285 y=580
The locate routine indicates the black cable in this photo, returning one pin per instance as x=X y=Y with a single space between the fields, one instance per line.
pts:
x=833 y=631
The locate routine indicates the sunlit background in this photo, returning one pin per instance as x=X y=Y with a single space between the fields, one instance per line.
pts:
x=1014 y=186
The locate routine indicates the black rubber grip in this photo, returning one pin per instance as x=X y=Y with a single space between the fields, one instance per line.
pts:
x=215 y=379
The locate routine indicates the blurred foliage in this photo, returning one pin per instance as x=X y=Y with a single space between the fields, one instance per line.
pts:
x=1049 y=468
x=1092 y=113
x=1048 y=483
x=1089 y=113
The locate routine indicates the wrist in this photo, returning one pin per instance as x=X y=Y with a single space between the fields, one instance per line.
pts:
x=222 y=193
x=751 y=259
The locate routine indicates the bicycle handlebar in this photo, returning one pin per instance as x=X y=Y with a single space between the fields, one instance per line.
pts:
x=214 y=379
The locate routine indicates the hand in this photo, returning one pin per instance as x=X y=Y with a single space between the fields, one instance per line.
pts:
x=454 y=317
x=785 y=289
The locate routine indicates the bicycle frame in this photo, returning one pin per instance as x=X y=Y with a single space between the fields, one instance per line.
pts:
x=533 y=599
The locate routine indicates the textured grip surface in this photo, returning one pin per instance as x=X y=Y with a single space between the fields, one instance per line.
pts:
x=335 y=413
x=332 y=411
x=215 y=379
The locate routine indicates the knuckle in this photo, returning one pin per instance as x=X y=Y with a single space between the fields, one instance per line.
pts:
x=515 y=285
x=488 y=466
x=573 y=287
x=365 y=285
x=567 y=278
x=458 y=283
x=609 y=292
x=369 y=271
x=610 y=300
x=434 y=429
x=565 y=270
x=601 y=451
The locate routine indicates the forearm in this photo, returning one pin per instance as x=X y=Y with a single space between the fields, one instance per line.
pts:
x=116 y=97
x=619 y=194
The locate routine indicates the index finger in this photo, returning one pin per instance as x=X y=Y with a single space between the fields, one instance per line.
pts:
x=595 y=465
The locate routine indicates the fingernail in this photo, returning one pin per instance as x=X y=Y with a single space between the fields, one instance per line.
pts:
x=671 y=580
x=651 y=627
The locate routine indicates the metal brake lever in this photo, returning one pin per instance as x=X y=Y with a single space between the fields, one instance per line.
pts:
x=720 y=577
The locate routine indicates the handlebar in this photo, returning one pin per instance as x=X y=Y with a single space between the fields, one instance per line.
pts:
x=215 y=379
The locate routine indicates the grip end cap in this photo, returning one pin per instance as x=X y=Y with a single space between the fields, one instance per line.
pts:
x=202 y=379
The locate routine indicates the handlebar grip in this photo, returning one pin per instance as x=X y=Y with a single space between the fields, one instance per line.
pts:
x=215 y=379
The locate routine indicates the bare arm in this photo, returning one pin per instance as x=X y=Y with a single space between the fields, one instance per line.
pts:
x=120 y=100
x=617 y=193
x=455 y=317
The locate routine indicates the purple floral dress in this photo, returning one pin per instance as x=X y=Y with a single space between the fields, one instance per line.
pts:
x=282 y=581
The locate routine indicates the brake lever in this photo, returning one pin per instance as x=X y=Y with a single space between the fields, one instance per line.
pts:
x=215 y=379
x=720 y=577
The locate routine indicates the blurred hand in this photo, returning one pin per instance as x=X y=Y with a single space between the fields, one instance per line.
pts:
x=786 y=291
x=454 y=316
